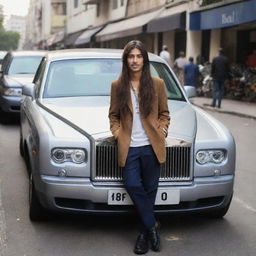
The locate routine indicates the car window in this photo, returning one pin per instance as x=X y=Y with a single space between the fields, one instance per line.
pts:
x=2 y=55
x=5 y=62
x=81 y=77
x=39 y=76
x=93 y=77
x=24 y=65
x=161 y=70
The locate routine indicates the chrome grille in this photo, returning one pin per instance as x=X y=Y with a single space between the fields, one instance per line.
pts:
x=107 y=164
x=176 y=167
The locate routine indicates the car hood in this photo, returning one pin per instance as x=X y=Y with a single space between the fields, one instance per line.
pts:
x=91 y=115
x=18 y=80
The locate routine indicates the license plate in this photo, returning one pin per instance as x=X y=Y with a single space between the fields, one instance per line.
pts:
x=163 y=197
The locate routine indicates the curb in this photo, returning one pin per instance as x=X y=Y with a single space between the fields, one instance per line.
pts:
x=225 y=111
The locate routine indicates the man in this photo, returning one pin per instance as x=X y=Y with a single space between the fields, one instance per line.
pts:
x=179 y=65
x=139 y=120
x=220 y=73
x=164 y=54
x=191 y=73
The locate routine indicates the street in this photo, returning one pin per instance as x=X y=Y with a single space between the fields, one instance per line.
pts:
x=81 y=235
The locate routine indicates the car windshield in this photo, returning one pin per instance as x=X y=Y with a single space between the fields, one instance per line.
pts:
x=24 y=65
x=93 y=77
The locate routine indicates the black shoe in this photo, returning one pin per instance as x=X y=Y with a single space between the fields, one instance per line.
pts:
x=154 y=239
x=141 y=245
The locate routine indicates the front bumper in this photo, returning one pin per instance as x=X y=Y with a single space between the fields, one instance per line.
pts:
x=10 y=104
x=81 y=195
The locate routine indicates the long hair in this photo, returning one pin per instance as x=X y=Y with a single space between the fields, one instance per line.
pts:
x=146 y=90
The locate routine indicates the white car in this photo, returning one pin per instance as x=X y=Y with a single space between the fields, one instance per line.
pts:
x=72 y=156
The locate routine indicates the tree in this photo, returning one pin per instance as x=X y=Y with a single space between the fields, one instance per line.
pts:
x=9 y=40
x=1 y=18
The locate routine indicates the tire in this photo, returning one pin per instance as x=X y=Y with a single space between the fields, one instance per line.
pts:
x=26 y=159
x=220 y=213
x=36 y=211
x=21 y=148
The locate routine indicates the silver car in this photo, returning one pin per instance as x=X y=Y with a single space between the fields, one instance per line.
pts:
x=18 y=68
x=71 y=154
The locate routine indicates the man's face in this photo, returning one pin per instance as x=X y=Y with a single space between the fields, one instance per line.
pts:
x=135 y=60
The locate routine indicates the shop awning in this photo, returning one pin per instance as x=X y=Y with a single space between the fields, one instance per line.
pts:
x=86 y=36
x=167 y=23
x=224 y=16
x=129 y=27
x=50 y=40
x=58 y=37
x=71 y=38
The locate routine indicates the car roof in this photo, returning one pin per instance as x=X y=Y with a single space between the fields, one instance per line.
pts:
x=28 y=53
x=91 y=53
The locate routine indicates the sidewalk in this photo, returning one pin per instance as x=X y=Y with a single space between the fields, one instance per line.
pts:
x=233 y=107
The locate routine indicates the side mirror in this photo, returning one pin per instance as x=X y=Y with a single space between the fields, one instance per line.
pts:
x=190 y=91
x=29 y=90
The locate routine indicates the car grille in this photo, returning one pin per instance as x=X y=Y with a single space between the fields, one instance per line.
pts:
x=176 y=167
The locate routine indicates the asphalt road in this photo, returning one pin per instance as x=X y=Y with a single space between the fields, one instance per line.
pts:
x=82 y=235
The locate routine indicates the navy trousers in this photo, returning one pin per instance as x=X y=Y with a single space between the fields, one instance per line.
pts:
x=217 y=92
x=141 y=176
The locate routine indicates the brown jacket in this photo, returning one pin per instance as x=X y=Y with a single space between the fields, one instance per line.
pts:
x=121 y=124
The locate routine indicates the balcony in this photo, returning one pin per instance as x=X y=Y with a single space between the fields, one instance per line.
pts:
x=91 y=1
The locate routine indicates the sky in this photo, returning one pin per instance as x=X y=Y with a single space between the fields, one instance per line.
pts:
x=15 y=7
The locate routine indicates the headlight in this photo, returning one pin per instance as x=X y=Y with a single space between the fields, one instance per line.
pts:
x=13 y=92
x=207 y=156
x=75 y=155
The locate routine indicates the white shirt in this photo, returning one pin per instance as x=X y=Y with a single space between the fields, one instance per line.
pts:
x=139 y=137
x=166 y=56
x=181 y=62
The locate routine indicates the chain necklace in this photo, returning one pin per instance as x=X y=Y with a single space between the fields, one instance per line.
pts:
x=137 y=101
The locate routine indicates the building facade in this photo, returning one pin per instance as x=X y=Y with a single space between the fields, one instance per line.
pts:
x=197 y=27
x=46 y=23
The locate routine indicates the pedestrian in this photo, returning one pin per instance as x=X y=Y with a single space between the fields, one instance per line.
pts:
x=179 y=65
x=191 y=73
x=164 y=54
x=220 y=72
x=139 y=120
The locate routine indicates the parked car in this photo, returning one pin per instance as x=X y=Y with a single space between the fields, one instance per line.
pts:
x=72 y=156
x=18 y=68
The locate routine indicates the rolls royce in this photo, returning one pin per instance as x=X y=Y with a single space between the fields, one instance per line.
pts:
x=71 y=154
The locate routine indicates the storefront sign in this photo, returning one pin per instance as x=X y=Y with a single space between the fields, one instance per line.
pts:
x=225 y=16
x=228 y=18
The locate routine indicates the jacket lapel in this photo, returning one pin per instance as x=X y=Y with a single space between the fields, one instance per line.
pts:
x=129 y=103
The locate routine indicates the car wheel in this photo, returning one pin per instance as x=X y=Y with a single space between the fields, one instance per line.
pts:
x=36 y=211
x=220 y=213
